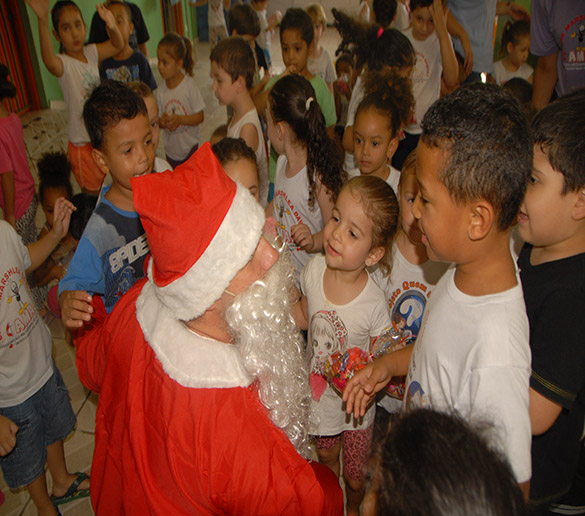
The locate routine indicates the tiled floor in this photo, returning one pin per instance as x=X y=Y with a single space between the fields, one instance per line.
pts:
x=47 y=131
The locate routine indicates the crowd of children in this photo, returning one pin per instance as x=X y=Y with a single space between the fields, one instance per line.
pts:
x=416 y=192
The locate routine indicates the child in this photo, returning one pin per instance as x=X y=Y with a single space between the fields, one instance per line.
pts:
x=320 y=62
x=413 y=276
x=435 y=55
x=232 y=69
x=110 y=256
x=54 y=171
x=239 y=162
x=342 y=89
x=267 y=26
x=308 y=172
x=341 y=300
x=35 y=411
x=178 y=98
x=516 y=46
x=552 y=222
x=376 y=50
x=77 y=71
x=378 y=122
x=471 y=355
x=215 y=19
x=143 y=91
x=128 y=64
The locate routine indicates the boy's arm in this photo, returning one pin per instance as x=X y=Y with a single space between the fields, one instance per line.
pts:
x=448 y=59
x=41 y=249
x=457 y=31
x=8 y=193
x=8 y=431
x=113 y=45
x=362 y=388
x=543 y=412
x=52 y=62
x=250 y=135
x=545 y=80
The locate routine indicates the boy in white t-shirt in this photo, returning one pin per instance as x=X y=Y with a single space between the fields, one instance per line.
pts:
x=232 y=69
x=472 y=354
x=434 y=56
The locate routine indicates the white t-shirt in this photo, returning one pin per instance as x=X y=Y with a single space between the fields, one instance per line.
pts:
x=402 y=20
x=161 y=165
x=291 y=206
x=25 y=340
x=264 y=39
x=323 y=66
x=357 y=95
x=184 y=99
x=501 y=75
x=234 y=130
x=77 y=82
x=338 y=328
x=393 y=177
x=215 y=16
x=426 y=77
x=472 y=356
x=407 y=291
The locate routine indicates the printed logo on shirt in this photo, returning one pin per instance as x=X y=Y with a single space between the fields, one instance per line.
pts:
x=574 y=47
x=407 y=306
x=286 y=217
x=415 y=398
x=124 y=73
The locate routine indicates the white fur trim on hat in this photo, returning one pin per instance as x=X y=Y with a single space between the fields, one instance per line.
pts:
x=232 y=246
x=189 y=359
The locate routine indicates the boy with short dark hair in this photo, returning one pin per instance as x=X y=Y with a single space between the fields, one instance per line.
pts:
x=232 y=70
x=110 y=256
x=552 y=268
x=128 y=64
x=472 y=354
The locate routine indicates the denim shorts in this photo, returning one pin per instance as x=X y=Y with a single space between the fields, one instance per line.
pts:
x=43 y=419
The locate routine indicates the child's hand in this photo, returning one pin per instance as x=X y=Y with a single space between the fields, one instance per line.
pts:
x=173 y=122
x=362 y=388
x=439 y=15
x=61 y=217
x=8 y=431
x=303 y=237
x=75 y=307
x=40 y=8
x=58 y=272
x=289 y=70
x=106 y=15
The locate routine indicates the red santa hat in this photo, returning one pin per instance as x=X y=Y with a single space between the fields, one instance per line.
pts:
x=202 y=229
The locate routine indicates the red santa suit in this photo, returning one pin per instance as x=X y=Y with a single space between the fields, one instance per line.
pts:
x=180 y=429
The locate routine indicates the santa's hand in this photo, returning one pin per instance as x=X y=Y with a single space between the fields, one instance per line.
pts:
x=75 y=307
x=8 y=431
x=362 y=388
x=303 y=237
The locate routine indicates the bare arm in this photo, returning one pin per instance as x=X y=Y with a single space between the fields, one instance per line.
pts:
x=250 y=135
x=8 y=194
x=448 y=59
x=52 y=62
x=113 y=45
x=545 y=79
x=299 y=313
x=348 y=138
x=513 y=10
x=457 y=31
x=543 y=412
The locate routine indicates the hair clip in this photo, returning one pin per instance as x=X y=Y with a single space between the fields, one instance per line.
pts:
x=380 y=31
x=308 y=103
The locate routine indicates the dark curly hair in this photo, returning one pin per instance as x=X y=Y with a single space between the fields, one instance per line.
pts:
x=288 y=101
x=484 y=131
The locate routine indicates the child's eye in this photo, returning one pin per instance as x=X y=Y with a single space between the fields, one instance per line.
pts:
x=353 y=235
x=128 y=150
x=410 y=200
x=533 y=180
x=334 y=218
x=154 y=124
x=375 y=144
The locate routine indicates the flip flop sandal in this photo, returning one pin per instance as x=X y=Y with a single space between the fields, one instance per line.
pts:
x=72 y=493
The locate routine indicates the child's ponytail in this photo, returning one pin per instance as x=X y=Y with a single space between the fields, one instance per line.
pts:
x=293 y=100
x=189 y=59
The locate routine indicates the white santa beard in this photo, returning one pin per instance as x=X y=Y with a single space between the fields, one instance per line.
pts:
x=272 y=347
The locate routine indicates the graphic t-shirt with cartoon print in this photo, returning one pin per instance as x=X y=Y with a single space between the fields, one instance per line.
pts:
x=25 y=340
x=338 y=328
x=76 y=83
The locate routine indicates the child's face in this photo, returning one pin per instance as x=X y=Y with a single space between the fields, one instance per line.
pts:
x=244 y=172
x=407 y=192
x=295 y=50
x=71 y=30
x=123 y=21
x=344 y=69
x=373 y=143
x=318 y=31
x=347 y=236
x=545 y=218
x=224 y=88
x=443 y=222
x=152 y=109
x=518 y=53
x=50 y=196
x=127 y=151
x=168 y=66
x=422 y=23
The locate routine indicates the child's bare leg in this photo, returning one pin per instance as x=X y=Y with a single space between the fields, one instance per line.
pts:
x=62 y=479
x=354 y=493
x=40 y=496
x=330 y=457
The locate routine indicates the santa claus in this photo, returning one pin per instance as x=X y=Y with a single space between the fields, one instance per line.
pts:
x=202 y=385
